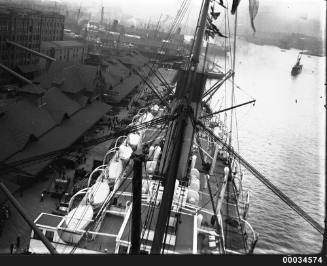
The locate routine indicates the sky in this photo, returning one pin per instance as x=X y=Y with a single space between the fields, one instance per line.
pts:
x=289 y=8
x=279 y=15
x=300 y=16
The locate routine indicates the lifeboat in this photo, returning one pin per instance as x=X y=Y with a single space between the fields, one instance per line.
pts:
x=195 y=184
x=75 y=223
x=146 y=117
x=115 y=168
x=193 y=197
x=194 y=173
x=133 y=140
x=125 y=152
x=98 y=193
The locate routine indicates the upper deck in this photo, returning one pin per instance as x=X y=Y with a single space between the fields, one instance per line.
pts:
x=191 y=227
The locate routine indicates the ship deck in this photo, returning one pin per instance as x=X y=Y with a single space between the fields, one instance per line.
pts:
x=183 y=235
x=103 y=241
x=232 y=226
x=180 y=234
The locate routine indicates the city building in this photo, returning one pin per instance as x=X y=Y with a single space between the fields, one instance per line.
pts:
x=52 y=27
x=24 y=27
x=28 y=28
x=67 y=51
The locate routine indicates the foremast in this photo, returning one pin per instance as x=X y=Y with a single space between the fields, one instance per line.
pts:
x=187 y=107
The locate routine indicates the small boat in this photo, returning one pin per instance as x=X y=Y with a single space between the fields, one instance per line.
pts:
x=297 y=68
x=75 y=223
x=98 y=193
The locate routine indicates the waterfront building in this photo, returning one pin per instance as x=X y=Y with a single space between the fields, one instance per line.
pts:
x=28 y=28
x=67 y=51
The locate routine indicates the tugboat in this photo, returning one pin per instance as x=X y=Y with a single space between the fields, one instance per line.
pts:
x=297 y=68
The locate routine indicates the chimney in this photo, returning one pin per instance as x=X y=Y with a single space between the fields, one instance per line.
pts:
x=101 y=22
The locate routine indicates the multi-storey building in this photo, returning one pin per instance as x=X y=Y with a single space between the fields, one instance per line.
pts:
x=23 y=27
x=52 y=27
x=65 y=51
x=28 y=28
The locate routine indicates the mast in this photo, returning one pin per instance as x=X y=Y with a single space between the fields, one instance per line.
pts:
x=199 y=38
x=136 y=210
x=184 y=134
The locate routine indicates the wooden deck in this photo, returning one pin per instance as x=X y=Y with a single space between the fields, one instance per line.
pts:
x=232 y=226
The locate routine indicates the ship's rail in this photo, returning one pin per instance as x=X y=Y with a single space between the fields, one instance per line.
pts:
x=265 y=181
x=81 y=192
x=251 y=236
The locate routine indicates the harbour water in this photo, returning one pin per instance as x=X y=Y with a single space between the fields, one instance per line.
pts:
x=283 y=136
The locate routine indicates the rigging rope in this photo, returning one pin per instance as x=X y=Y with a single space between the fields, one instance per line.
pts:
x=266 y=182
x=58 y=153
x=233 y=78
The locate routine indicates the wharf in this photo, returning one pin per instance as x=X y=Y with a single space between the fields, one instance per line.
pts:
x=30 y=197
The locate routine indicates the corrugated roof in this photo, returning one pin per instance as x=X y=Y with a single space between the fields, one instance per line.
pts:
x=74 y=78
x=140 y=57
x=21 y=121
x=111 y=78
x=82 y=100
x=126 y=87
x=24 y=120
x=55 y=71
x=62 y=136
x=79 y=77
x=9 y=145
x=126 y=60
x=59 y=105
x=133 y=59
x=30 y=117
x=117 y=68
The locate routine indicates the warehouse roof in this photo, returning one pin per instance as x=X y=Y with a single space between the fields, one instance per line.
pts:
x=126 y=87
x=23 y=123
x=62 y=136
x=59 y=105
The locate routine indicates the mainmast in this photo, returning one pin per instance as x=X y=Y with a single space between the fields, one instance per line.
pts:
x=186 y=104
x=200 y=33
